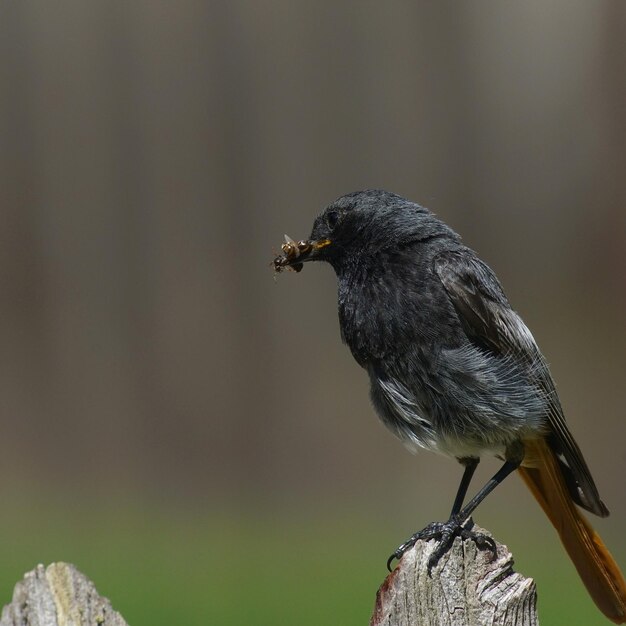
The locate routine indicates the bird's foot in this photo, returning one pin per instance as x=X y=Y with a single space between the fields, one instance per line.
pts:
x=445 y=533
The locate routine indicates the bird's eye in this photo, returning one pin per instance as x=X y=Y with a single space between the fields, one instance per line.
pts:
x=332 y=219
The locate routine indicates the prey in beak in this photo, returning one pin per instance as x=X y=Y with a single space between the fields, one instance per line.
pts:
x=296 y=253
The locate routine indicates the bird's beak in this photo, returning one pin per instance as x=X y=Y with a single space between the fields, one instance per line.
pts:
x=296 y=253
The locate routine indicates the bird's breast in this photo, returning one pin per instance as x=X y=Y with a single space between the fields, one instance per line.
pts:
x=388 y=312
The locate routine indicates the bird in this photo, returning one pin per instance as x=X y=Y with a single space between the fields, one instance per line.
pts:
x=454 y=369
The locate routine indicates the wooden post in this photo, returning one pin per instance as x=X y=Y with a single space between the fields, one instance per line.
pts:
x=58 y=595
x=468 y=587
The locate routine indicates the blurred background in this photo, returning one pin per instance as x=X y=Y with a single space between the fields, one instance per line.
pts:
x=187 y=429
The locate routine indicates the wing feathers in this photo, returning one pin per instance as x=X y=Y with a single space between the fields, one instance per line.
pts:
x=491 y=324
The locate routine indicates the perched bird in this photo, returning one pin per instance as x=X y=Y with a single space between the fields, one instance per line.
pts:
x=454 y=369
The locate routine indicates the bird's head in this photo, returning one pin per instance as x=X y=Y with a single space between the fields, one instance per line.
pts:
x=359 y=224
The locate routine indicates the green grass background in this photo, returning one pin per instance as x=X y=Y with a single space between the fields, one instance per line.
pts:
x=227 y=567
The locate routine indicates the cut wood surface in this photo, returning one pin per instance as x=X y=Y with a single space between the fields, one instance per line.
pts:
x=58 y=595
x=468 y=587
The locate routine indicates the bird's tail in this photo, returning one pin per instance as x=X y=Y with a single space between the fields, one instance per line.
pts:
x=594 y=563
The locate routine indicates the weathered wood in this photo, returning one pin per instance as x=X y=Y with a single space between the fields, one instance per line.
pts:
x=468 y=587
x=58 y=595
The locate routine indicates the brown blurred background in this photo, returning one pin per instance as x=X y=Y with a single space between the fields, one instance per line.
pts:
x=152 y=154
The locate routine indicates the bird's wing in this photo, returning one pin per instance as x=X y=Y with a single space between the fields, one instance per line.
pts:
x=491 y=324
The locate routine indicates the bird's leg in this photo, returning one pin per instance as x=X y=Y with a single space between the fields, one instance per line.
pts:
x=460 y=524
x=470 y=463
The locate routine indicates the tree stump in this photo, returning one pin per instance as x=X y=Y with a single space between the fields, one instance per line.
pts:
x=468 y=587
x=58 y=595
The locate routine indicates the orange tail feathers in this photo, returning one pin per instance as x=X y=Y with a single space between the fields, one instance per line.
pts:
x=596 y=567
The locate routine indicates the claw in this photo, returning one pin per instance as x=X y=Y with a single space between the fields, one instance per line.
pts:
x=399 y=552
x=390 y=560
x=444 y=533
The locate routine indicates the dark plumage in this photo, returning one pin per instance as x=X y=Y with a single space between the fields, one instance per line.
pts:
x=452 y=367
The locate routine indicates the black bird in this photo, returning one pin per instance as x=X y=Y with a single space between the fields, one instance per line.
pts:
x=454 y=369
